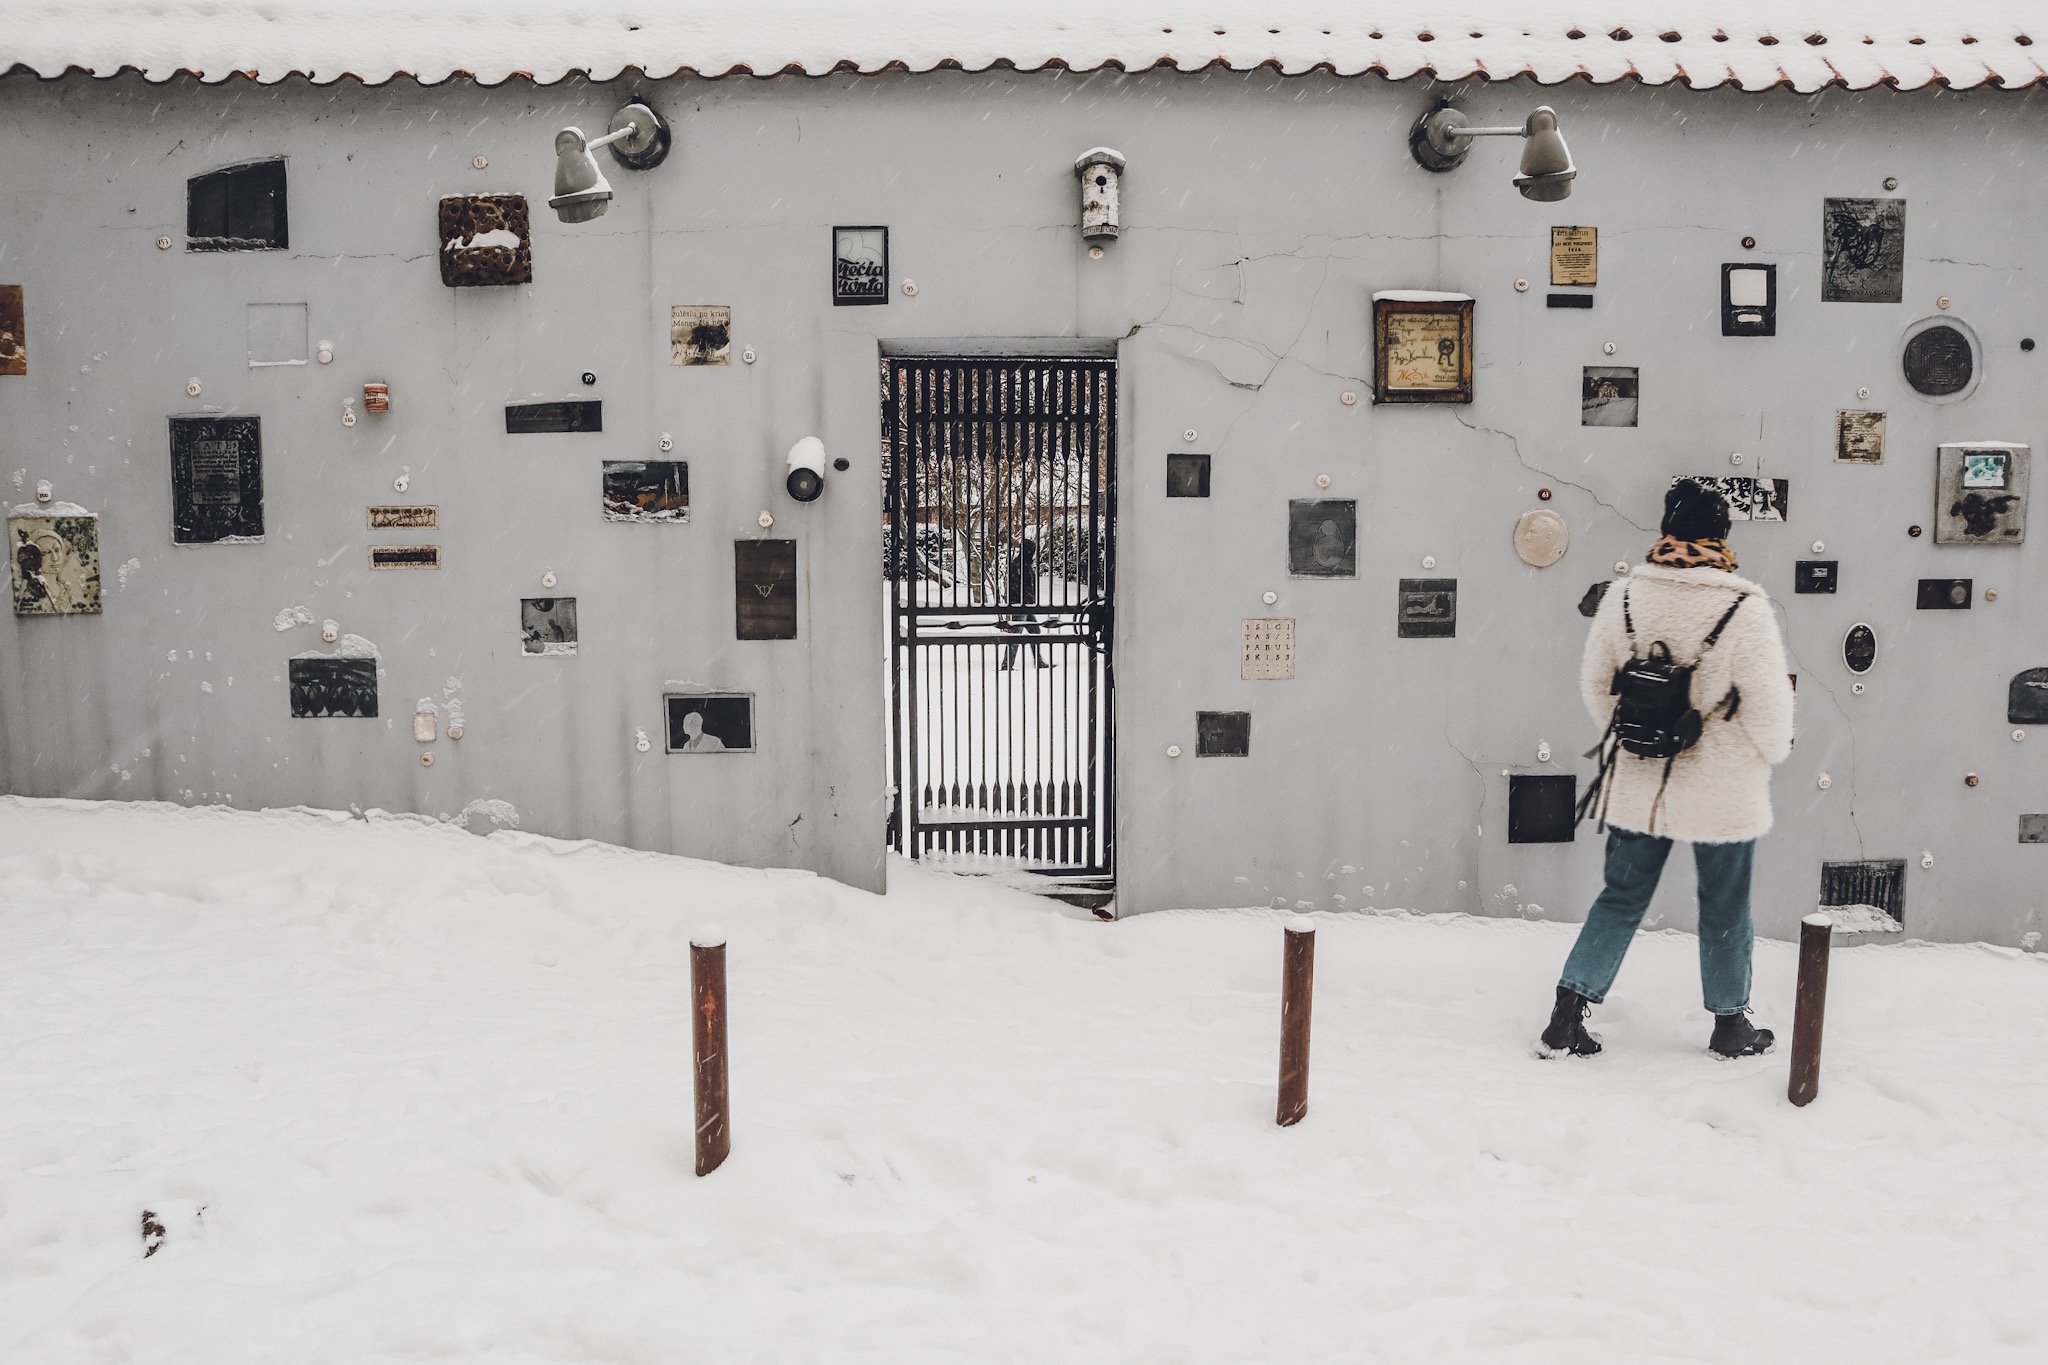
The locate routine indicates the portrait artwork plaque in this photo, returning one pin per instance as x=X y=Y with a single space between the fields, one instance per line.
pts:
x=1859 y=437
x=216 y=480
x=710 y=722
x=1322 y=538
x=56 y=564
x=1223 y=734
x=1422 y=347
x=1862 y=250
x=547 y=626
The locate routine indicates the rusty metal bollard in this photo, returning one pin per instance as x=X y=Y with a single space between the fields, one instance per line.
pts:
x=1297 y=996
x=1816 y=933
x=707 y=1039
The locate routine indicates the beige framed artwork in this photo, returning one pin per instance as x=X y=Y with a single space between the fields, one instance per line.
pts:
x=1422 y=347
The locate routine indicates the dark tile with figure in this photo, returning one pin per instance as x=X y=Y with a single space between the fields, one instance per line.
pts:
x=1863 y=250
x=1814 y=575
x=1322 y=538
x=1877 y=882
x=2026 y=700
x=216 y=479
x=547 y=625
x=540 y=419
x=647 y=490
x=1859 y=649
x=326 y=685
x=764 y=589
x=1187 y=475
x=238 y=208
x=2034 y=829
x=1609 y=396
x=1428 y=608
x=1541 y=808
x=1223 y=734
x=486 y=239
x=710 y=723
x=1943 y=594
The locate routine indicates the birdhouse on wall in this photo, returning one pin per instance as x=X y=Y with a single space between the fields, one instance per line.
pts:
x=1100 y=172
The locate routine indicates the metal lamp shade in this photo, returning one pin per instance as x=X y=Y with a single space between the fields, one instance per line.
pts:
x=581 y=191
x=1547 y=169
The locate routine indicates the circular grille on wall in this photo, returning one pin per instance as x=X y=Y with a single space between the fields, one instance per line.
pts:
x=1939 y=361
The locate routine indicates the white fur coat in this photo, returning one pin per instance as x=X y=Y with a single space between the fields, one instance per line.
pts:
x=1720 y=789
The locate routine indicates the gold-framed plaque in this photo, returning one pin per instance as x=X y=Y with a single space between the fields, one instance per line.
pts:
x=1575 y=256
x=1422 y=347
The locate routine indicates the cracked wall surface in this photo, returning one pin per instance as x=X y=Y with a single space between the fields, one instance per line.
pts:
x=1260 y=214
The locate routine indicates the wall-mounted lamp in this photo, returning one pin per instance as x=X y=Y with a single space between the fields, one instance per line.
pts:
x=806 y=481
x=1440 y=139
x=1100 y=171
x=639 y=140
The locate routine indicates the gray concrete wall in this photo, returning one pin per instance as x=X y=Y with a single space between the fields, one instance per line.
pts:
x=1261 y=213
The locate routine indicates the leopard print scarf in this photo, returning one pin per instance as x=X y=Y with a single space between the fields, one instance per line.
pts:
x=1674 y=553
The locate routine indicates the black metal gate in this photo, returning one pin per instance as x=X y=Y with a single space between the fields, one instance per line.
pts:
x=1001 y=564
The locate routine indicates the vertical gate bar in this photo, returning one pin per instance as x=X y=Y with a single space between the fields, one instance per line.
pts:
x=899 y=561
x=1108 y=429
x=912 y=657
x=1093 y=437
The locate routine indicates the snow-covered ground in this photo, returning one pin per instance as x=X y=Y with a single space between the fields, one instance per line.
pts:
x=432 y=1092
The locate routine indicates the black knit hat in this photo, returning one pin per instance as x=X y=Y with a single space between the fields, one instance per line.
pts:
x=1695 y=510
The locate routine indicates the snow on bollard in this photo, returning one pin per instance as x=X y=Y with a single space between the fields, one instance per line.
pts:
x=707 y=1039
x=1297 y=991
x=1816 y=932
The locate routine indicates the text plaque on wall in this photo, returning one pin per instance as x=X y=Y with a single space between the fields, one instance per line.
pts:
x=216 y=479
x=1269 y=647
x=764 y=589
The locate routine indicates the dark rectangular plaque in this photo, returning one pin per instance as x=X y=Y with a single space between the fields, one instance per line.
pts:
x=764 y=589
x=1428 y=608
x=2034 y=829
x=1187 y=475
x=1749 y=300
x=13 y=331
x=405 y=556
x=1879 y=882
x=216 y=479
x=1943 y=594
x=1568 y=301
x=860 y=265
x=1223 y=734
x=529 y=419
x=2026 y=699
x=1863 y=250
x=1322 y=538
x=1815 y=575
x=238 y=208
x=1540 y=808
x=329 y=686
x=710 y=723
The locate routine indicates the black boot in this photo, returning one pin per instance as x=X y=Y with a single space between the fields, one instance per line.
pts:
x=1735 y=1036
x=1567 y=1031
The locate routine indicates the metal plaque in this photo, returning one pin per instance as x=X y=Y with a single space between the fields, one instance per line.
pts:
x=486 y=239
x=1749 y=300
x=860 y=265
x=1223 y=734
x=1541 y=808
x=764 y=589
x=547 y=625
x=1939 y=361
x=1428 y=608
x=1859 y=648
x=1815 y=575
x=238 y=208
x=405 y=556
x=1268 y=647
x=2026 y=700
x=1322 y=538
x=328 y=685
x=389 y=518
x=1422 y=350
x=536 y=419
x=1943 y=594
x=2034 y=829
x=1187 y=475
x=1980 y=493
x=216 y=479
x=1876 y=882
x=1609 y=396
x=13 y=331
x=647 y=490
x=1568 y=300
x=1541 y=537
x=1574 y=256
x=1859 y=438
x=56 y=564
x=1863 y=250
x=710 y=723
x=699 y=334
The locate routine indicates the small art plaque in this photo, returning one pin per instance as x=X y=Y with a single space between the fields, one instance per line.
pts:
x=238 y=208
x=1863 y=250
x=56 y=564
x=764 y=589
x=647 y=490
x=1943 y=594
x=1814 y=575
x=2034 y=829
x=1859 y=438
x=1749 y=499
x=860 y=265
x=1422 y=347
x=216 y=480
x=1939 y=361
x=329 y=685
x=1609 y=396
x=1187 y=475
x=1749 y=300
x=1981 y=493
x=710 y=723
x=486 y=239
x=1859 y=649
x=405 y=556
x=1541 y=808
x=547 y=626
x=1876 y=882
x=1269 y=648
x=1322 y=538
x=2026 y=700
x=699 y=334
x=1575 y=256
x=540 y=419
x=405 y=518
x=1428 y=609
x=13 y=331
x=1223 y=734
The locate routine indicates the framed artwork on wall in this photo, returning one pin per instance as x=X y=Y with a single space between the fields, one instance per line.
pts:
x=1421 y=347
x=860 y=265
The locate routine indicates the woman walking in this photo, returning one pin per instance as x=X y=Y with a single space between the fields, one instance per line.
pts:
x=1684 y=608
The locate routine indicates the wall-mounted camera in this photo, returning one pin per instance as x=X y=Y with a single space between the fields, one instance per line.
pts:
x=806 y=481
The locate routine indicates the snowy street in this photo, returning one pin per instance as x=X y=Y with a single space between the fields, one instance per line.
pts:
x=402 y=1093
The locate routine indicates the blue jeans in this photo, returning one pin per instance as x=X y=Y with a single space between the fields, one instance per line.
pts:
x=1634 y=863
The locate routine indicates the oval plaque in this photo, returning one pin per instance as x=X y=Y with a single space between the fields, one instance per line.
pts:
x=1939 y=361
x=1859 y=648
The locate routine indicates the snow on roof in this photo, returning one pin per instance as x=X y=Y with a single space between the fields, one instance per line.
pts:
x=1753 y=44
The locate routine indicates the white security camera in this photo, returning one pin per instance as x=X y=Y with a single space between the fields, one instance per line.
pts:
x=806 y=482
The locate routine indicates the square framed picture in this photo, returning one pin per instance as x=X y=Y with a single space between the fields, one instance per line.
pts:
x=710 y=722
x=860 y=265
x=699 y=334
x=1859 y=437
x=1422 y=347
x=1609 y=396
x=56 y=564
x=547 y=626
x=1985 y=468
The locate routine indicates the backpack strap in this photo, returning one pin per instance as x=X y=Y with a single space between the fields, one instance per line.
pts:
x=1719 y=625
x=1628 y=622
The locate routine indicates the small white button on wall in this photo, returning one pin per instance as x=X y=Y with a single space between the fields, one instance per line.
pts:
x=766 y=520
x=1990 y=594
x=1819 y=546
x=1271 y=598
x=1927 y=859
x=1736 y=458
x=2019 y=736
x=748 y=355
x=480 y=161
x=1429 y=561
x=1863 y=393
x=910 y=289
x=348 y=416
x=325 y=353
x=547 y=580
x=1621 y=566
x=43 y=490
x=1942 y=303
x=193 y=387
x=668 y=442
x=163 y=244
x=1824 y=782
x=426 y=760
x=1857 y=688
x=401 y=483
x=1094 y=253
x=640 y=740
x=1188 y=435
x=1173 y=751
x=1322 y=480
x=455 y=732
x=330 y=631
x=1521 y=286
x=1348 y=399
x=1608 y=348
x=1542 y=752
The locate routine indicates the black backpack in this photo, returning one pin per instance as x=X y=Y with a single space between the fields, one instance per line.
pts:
x=1653 y=712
